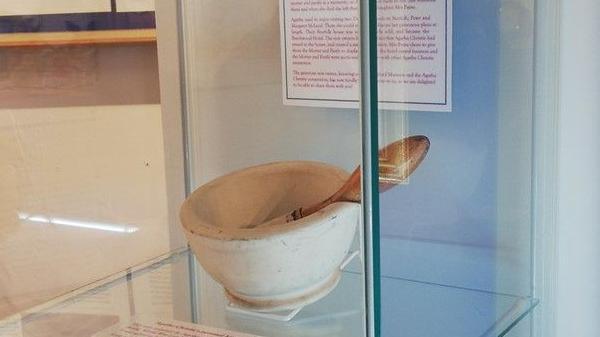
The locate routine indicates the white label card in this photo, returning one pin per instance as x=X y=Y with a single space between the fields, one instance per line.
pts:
x=168 y=328
x=320 y=53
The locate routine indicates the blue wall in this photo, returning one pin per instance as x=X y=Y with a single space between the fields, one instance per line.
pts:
x=452 y=196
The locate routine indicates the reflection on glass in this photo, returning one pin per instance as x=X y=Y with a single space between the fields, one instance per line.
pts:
x=78 y=223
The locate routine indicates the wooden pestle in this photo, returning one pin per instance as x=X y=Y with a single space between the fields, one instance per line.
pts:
x=397 y=161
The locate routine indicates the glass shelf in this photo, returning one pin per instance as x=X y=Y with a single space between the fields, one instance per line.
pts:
x=159 y=289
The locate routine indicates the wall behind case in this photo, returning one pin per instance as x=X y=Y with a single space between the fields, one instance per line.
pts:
x=451 y=197
x=82 y=162
x=237 y=118
x=471 y=196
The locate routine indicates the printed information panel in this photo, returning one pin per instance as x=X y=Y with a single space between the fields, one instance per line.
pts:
x=320 y=53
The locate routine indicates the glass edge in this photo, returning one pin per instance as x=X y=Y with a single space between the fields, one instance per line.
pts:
x=369 y=161
x=375 y=167
x=186 y=145
x=533 y=302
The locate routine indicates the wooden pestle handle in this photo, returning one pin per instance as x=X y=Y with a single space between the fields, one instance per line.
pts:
x=398 y=159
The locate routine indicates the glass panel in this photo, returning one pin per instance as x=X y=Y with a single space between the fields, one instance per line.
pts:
x=83 y=183
x=279 y=130
x=158 y=290
x=461 y=74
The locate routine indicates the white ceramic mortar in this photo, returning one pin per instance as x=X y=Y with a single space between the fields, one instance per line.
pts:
x=271 y=268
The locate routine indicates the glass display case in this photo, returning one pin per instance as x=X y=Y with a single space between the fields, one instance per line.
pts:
x=350 y=168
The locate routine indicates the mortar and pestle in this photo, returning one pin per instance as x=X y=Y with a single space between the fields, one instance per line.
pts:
x=274 y=235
